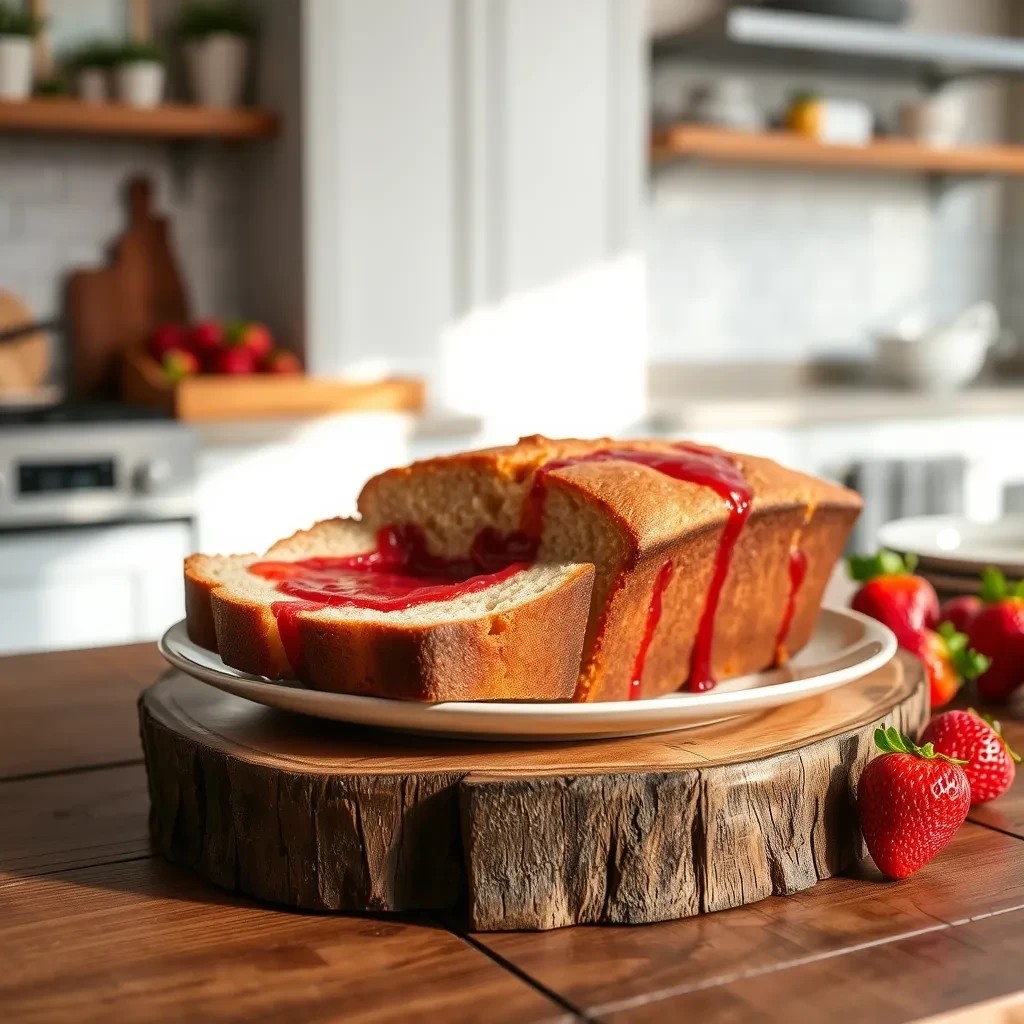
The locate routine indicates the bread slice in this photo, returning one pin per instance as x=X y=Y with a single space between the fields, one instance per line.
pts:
x=493 y=644
x=630 y=520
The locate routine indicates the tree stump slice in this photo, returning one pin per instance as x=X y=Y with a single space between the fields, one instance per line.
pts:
x=322 y=816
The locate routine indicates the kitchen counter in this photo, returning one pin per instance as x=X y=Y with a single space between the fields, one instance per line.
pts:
x=97 y=927
x=687 y=398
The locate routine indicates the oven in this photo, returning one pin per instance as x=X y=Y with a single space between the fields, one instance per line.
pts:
x=96 y=515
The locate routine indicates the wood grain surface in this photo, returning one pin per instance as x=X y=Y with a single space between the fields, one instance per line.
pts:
x=73 y=709
x=622 y=831
x=95 y=928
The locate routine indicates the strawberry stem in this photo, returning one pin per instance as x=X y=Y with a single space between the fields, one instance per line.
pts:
x=863 y=568
x=891 y=741
x=998 y=730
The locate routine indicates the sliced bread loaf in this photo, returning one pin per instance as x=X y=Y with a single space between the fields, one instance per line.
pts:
x=519 y=638
x=656 y=542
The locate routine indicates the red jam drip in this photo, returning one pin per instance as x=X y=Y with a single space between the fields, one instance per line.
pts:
x=653 y=617
x=693 y=464
x=797 y=572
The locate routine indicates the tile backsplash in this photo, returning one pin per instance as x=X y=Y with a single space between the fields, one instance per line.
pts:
x=787 y=266
x=62 y=204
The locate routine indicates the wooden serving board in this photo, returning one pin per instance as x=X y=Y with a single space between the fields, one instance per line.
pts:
x=321 y=816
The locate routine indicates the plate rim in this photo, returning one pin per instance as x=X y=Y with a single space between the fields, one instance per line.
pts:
x=931 y=555
x=524 y=711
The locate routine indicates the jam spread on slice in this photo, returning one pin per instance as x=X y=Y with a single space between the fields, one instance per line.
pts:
x=797 y=572
x=401 y=573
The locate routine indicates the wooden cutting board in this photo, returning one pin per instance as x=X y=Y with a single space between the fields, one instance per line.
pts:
x=24 y=361
x=114 y=309
x=322 y=816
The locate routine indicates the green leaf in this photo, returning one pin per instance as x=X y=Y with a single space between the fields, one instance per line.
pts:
x=891 y=741
x=863 y=568
x=993 y=585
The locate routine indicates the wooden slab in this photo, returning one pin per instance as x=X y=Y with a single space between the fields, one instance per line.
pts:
x=24 y=361
x=326 y=817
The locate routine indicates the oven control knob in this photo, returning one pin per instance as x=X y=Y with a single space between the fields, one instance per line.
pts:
x=151 y=476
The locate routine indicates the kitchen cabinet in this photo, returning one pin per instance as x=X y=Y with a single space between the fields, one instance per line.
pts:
x=474 y=181
x=90 y=586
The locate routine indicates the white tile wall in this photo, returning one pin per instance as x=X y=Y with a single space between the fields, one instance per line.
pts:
x=61 y=206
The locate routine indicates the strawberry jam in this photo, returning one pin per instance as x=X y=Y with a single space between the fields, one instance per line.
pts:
x=401 y=573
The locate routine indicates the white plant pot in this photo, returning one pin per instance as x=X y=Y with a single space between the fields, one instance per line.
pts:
x=15 y=67
x=216 y=68
x=91 y=84
x=140 y=83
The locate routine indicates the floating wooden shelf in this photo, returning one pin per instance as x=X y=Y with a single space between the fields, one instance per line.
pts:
x=785 y=148
x=169 y=121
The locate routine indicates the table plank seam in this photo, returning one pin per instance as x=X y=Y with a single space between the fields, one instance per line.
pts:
x=10 y=880
x=522 y=975
x=995 y=828
x=51 y=773
x=672 y=991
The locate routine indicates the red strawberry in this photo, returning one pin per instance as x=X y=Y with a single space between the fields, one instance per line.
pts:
x=907 y=604
x=164 y=339
x=253 y=337
x=978 y=740
x=281 y=361
x=910 y=803
x=206 y=339
x=998 y=631
x=948 y=661
x=234 y=361
x=178 y=363
x=960 y=611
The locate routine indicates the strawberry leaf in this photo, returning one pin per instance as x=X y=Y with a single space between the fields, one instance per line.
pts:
x=969 y=663
x=863 y=568
x=993 y=585
x=891 y=741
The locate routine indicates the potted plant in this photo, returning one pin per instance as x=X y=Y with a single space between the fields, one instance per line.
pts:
x=17 y=29
x=140 y=74
x=217 y=35
x=91 y=66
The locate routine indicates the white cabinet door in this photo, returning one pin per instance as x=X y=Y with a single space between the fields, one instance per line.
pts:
x=89 y=587
x=474 y=181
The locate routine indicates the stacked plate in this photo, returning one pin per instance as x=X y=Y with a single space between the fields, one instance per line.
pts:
x=953 y=551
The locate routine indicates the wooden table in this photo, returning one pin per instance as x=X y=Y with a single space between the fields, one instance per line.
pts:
x=93 y=926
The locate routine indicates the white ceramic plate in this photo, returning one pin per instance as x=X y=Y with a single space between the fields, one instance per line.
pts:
x=959 y=546
x=845 y=647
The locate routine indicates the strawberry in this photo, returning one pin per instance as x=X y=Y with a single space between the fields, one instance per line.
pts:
x=910 y=803
x=978 y=740
x=164 y=339
x=948 y=661
x=960 y=611
x=905 y=603
x=253 y=337
x=235 y=362
x=281 y=361
x=178 y=363
x=206 y=339
x=998 y=631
